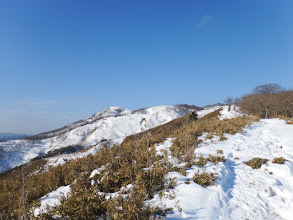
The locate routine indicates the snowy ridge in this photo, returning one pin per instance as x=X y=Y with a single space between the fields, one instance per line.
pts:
x=110 y=112
x=112 y=124
x=240 y=191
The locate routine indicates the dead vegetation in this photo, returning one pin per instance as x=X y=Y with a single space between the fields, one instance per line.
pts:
x=256 y=162
x=201 y=161
x=279 y=160
x=204 y=179
x=288 y=121
x=133 y=162
x=268 y=101
x=216 y=159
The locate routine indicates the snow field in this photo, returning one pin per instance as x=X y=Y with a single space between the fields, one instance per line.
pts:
x=240 y=191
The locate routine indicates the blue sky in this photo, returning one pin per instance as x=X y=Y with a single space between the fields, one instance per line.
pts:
x=64 y=60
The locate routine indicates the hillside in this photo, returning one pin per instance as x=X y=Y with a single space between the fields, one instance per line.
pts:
x=182 y=169
x=111 y=125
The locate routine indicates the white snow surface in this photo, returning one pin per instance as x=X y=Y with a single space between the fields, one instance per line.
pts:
x=52 y=199
x=112 y=124
x=233 y=113
x=240 y=191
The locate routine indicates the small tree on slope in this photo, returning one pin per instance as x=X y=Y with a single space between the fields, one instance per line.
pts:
x=193 y=116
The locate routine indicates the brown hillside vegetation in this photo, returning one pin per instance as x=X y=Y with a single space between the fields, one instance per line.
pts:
x=134 y=162
x=268 y=101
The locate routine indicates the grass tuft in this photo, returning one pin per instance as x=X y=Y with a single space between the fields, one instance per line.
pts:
x=279 y=160
x=256 y=162
x=204 y=179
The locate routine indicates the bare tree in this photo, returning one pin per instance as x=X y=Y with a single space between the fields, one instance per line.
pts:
x=268 y=89
x=268 y=100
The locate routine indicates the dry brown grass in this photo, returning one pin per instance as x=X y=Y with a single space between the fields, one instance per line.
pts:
x=204 y=179
x=256 y=162
x=186 y=137
x=279 y=160
x=209 y=136
x=201 y=161
x=216 y=159
x=288 y=120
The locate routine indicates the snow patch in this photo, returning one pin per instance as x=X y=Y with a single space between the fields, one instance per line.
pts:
x=233 y=113
x=52 y=199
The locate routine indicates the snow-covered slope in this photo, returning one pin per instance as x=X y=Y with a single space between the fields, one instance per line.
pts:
x=112 y=124
x=240 y=191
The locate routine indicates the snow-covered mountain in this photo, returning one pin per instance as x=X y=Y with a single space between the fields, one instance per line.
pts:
x=111 y=125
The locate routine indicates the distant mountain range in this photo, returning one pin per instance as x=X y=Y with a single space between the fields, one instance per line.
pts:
x=11 y=136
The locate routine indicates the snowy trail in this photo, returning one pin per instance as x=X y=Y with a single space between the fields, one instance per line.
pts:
x=241 y=192
x=253 y=193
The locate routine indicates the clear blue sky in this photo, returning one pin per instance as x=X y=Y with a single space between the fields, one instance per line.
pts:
x=64 y=60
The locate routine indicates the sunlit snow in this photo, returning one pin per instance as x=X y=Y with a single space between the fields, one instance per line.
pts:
x=240 y=191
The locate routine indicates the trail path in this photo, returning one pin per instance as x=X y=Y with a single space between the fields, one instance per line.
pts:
x=240 y=192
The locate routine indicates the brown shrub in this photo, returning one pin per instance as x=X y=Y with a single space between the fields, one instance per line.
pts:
x=216 y=159
x=204 y=179
x=201 y=161
x=279 y=160
x=256 y=162
x=209 y=136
